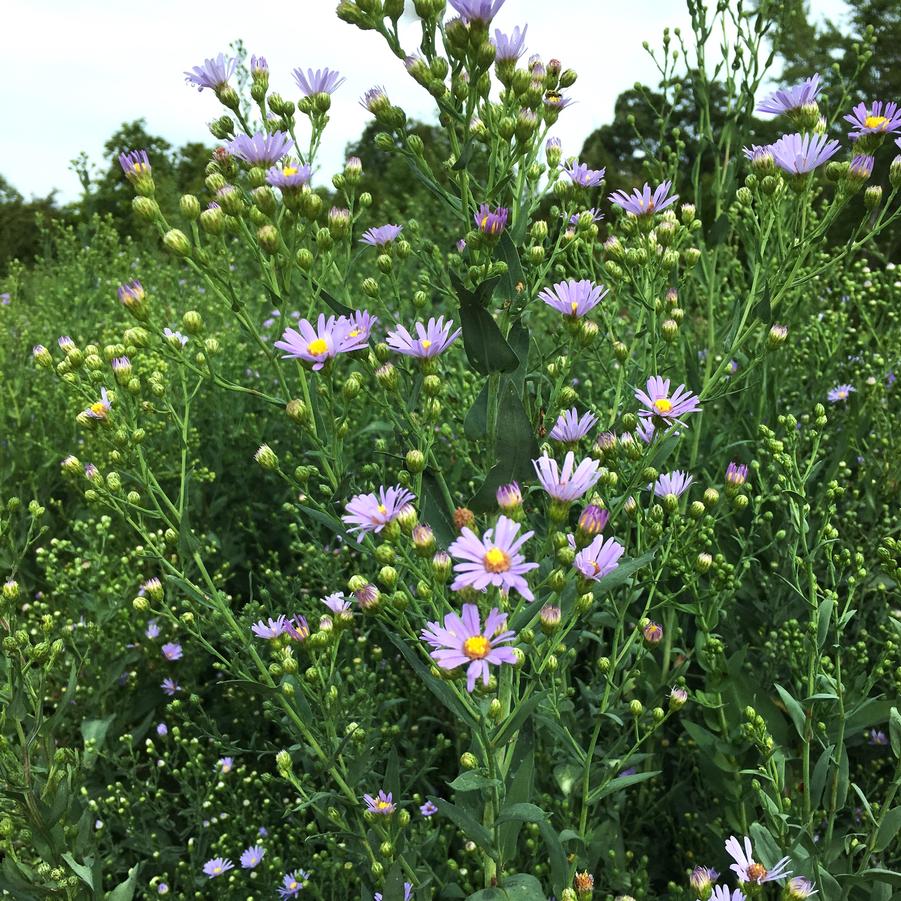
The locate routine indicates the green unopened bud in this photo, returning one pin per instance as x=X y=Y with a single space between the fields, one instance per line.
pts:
x=703 y=562
x=468 y=760
x=872 y=197
x=146 y=208
x=266 y=457
x=176 y=241
x=636 y=708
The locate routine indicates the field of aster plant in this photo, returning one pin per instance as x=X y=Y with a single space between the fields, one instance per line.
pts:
x=343 y=561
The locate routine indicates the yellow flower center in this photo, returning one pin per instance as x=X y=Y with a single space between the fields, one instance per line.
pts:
x=842 y=395
x=140 y=168
x=756 y=872
x=217 y=869
x=99 y=408
x=574 y=306
x=484 y=222
x=314 y=348
x=662 y=405
x=383 y=509
x=476 y=647
x=426 y=344
x=496 y=560
x=382 y=805
x=875 y=121
x=289 y=170
x=293 y=885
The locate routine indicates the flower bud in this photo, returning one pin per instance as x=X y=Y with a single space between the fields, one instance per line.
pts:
x=176 y=241
x=550 y=616
x=703 y=563
x=872 y=197
x=777 y=335
x=189 y=206
x=441 y=566
x=468 y=760
x=266 y=457
x=636 y=708
x=652 y=632
x=678 y=698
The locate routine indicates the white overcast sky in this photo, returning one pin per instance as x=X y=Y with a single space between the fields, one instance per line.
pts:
x=71 y=71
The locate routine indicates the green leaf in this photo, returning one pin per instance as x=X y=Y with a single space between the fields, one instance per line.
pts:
x=888 y=828
x=514 y=722
x=764 y=844
x=82 y=871
x=471 y=781
x=465 y=822
x=475 y=423
x=795 y=710
x=824 y=618
x=507 y=251
x=94 y=730
x=434 y=511
x=125 y=891
x=619 y=783
x=820 y=774
x=894 y=730
x=623 y=573
x=524 y=812
x=486 y=348
x=521 y=887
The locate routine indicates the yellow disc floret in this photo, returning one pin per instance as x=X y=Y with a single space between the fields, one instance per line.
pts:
x=476 y=647
x=875 y=121
x=663 y=405
x=319 y=346
x=497 y=560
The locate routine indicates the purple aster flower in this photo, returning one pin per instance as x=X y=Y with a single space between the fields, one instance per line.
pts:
x=381 y=804
x=100 y=409
x=574 y=298
x=596 y=216
x=840 y=393
x=170 y=687
x=270 y=630
x=66 y=344
x=702 y=878
x=5 y=298
x=379 y=237
x=162 y=888
x=509 y=497
x=358 y=327
x=747 y=869
x=592 y=521
x=722 y=893
x=673 y=483
x=252 y=856
x=582 y=176
x=758 y=153
x=799 y=154
x=217 y=866
x=556 y=101
x=658 y=403
x=799 y=888
x=319 y=81
x=262 y=148
x=643 y=202
x=599 y=558
x=736 y=474
x=316 y=346
x=258 y=65
x=135 y=164
x=462 y=642
x=477 y=10
x=493 y=559
x=213 y=74
x=175 y=336
x=877 y=738
x=428 y=809
x=162 y=730
x=225 y=764
x=297 y=628
x=787 y=100
x=861 y=167
x=880 y=118
x=289 y=177
x=432 y=339
x=510 y=48
x=570 y=483
x=408 y=892
x=152 y=630
x=491 y=223
x=371 y=512
x=570 y=427
x=645 y=430
x=292 y=883
x=336 y=602
x=171 y=651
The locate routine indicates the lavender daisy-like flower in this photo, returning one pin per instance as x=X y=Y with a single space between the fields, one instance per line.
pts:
x=570 y=483
x=316 y=346
x=318 y=81
x=582 y=176
x=861 y=167
x=170 y=687
x=381 y=804
x=213 y=74
x=477 y=10
x=252 y=856
x=336 y=602
x=674 y=483
x=292 y=883
x=493 y=559
x=787 y=100
x=463 y=642
x=428 y=809
x=408 y=892
x=297 y=628
x=643 y=202
x=175 y=336
x=759 y=155
x=702 y=878
x=840 y=393
x=135 y=164
x=596 y=216
x=172 y=651
x=599 y=558
x=289 y=177
x=269 y=630
x=798 y=154
x=747 y=869
x=509 y=48
x=372 y=512
x=225 y=764
x=570 y=427
x=153 y=630
x=722 y=893
x=431 y=339
x=880 y=118
x=877 y=738
x=799 y=888
x=262 y=148
x=217 y=866
x=162 y=730
x=100 y=409
x=554 y=100
x=381 y=236
x=736 y=474
x=491 y=222
x=659 y=404
x=574 y=298
x=358 y=327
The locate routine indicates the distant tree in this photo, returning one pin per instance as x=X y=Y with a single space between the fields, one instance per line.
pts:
x=21 y=223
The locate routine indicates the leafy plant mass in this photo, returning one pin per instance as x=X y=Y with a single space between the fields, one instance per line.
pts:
x=541 y=542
